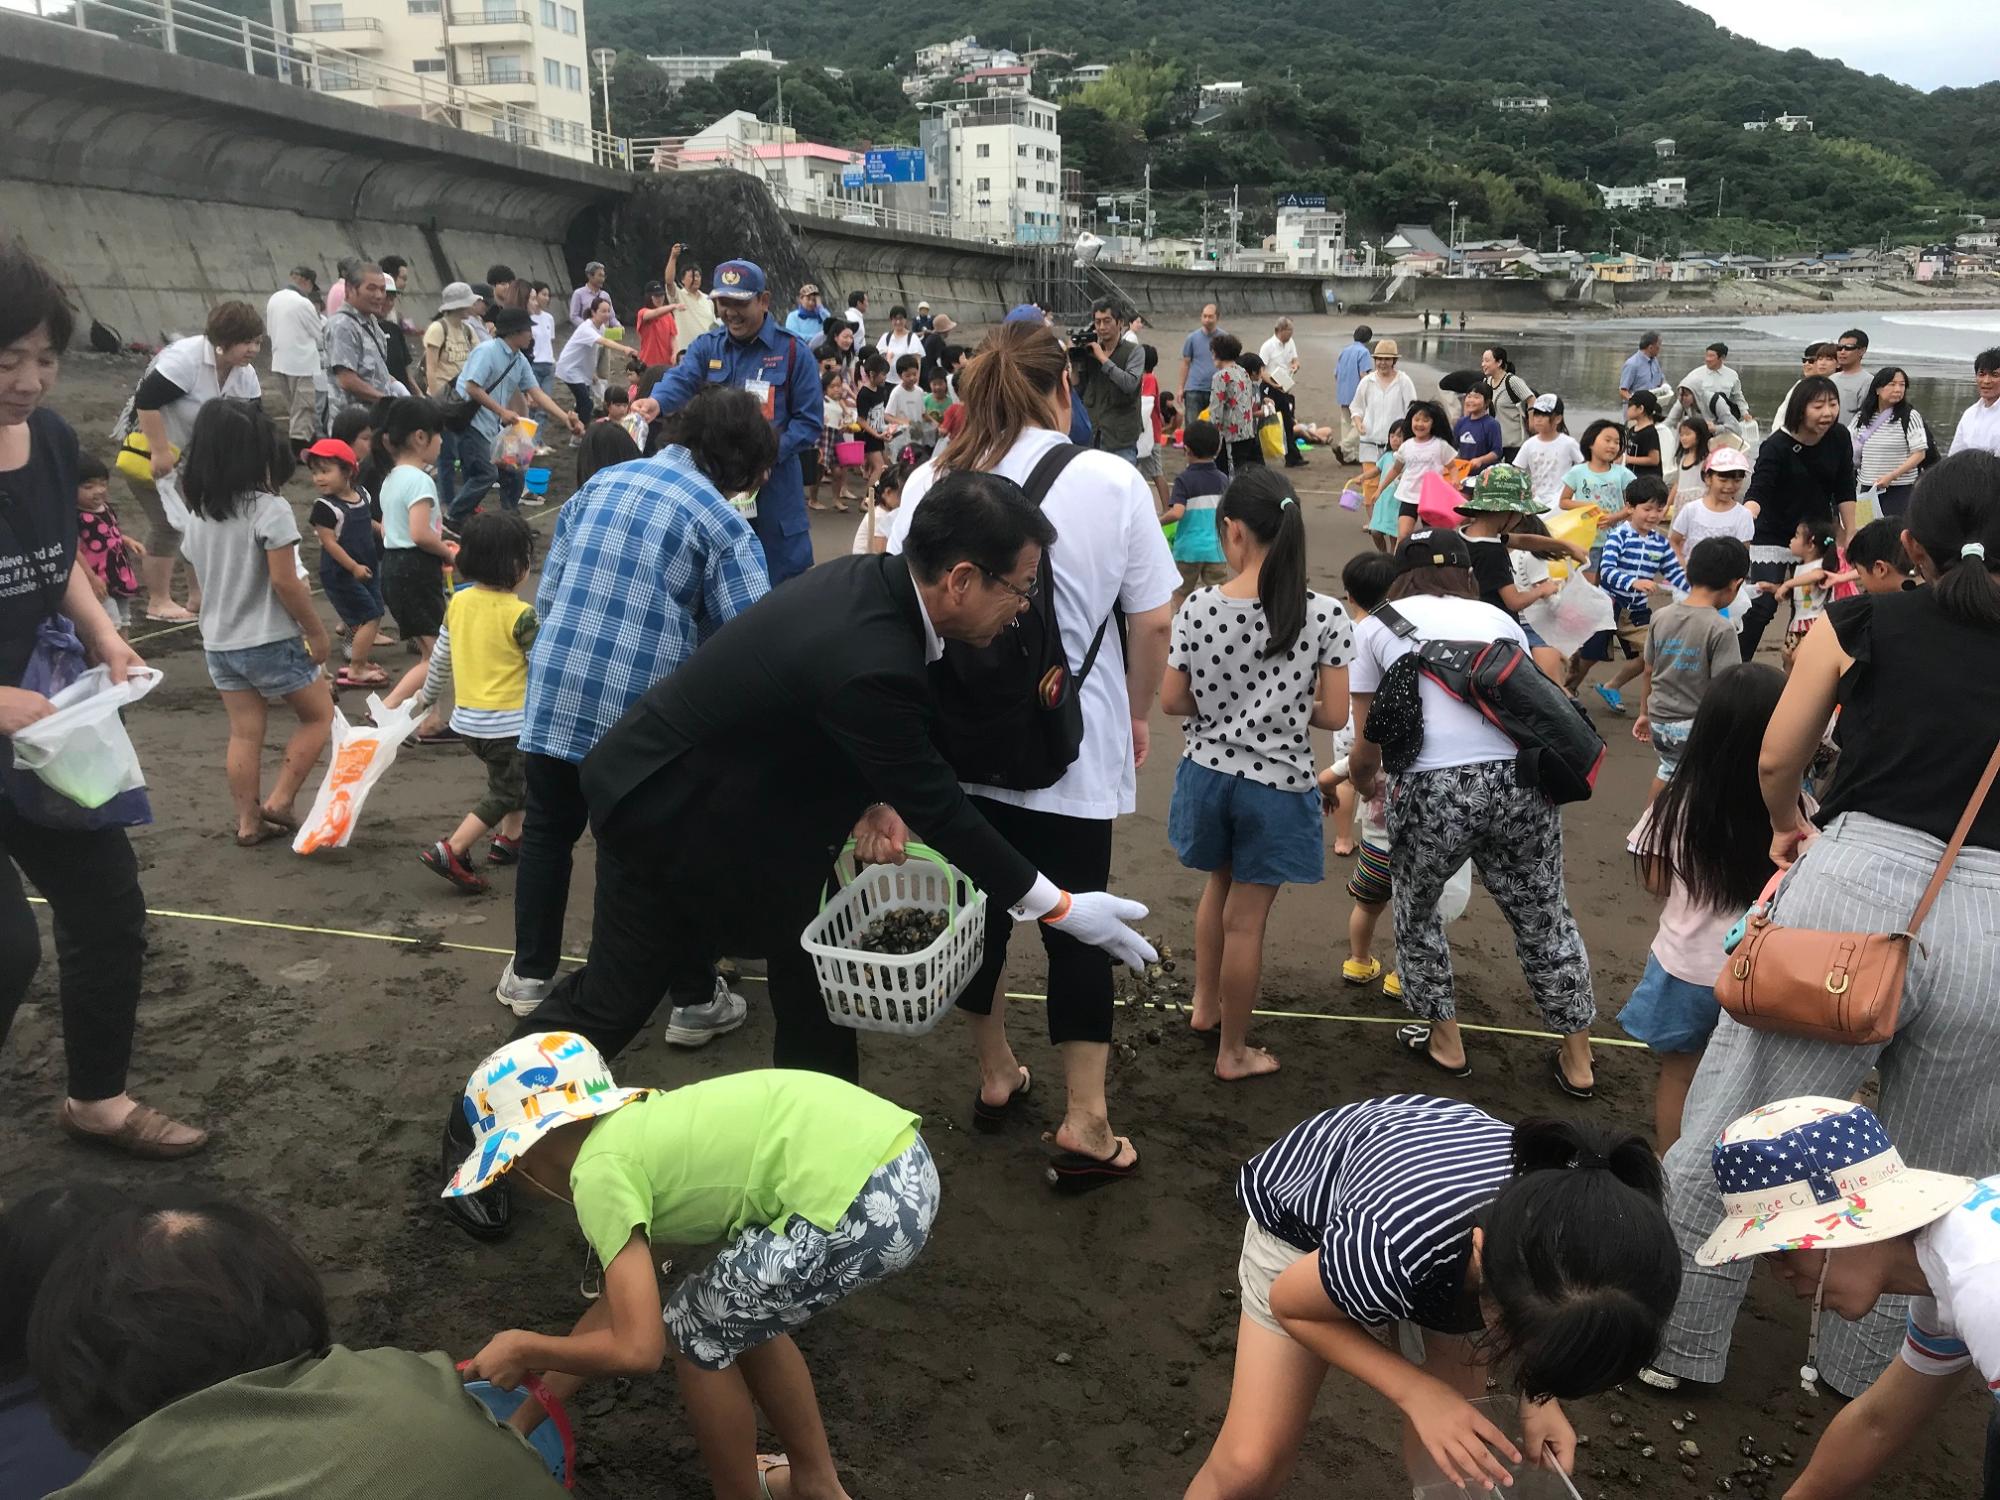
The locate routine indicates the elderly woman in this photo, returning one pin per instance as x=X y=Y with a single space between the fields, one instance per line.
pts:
x=184 y=377
x=88 y=876
x=1919 y=720
x=187 y=1347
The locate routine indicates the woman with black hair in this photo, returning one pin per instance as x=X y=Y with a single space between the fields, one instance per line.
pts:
x=186 y=1346
x=1537 y=1251
x=36 y=1232
x=88 y=876
x=1919 y=718
x=1891 y=441
x=1507 y=397
x=1804 y=472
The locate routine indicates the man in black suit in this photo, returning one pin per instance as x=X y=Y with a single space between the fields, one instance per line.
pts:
x=719 y=799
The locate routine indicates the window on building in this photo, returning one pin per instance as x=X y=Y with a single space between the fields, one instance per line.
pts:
x=505 y=70
x=984 y=150
x=328 y=17
x=552 y=72
x=424 y=7
x=1022 y=182
x=573 y=76
x=335 y=79
x=427 y=65
x=1020 y=150
x=985 y=185
x=549 y=12
x=569 y=20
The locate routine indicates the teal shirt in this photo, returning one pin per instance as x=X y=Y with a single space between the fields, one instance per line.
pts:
x=1606 y=491
x=1199 y=487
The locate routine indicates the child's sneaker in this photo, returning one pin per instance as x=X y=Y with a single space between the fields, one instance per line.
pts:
x=1354 y=971
x=505 y=851
x=1392 y=987
x=1613 y=699
x=442 y=858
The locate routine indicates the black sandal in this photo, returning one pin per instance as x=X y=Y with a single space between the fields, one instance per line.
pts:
x=1562 y=1078
x=991 y=1118
x=1416 y=1040
x=1077 y=1172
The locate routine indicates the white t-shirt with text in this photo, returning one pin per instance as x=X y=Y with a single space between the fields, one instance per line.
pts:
x=1547 y=460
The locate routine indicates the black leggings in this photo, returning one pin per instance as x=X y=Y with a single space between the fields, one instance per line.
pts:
x=1287 y=407
x=91 y=880
x=1076 y=854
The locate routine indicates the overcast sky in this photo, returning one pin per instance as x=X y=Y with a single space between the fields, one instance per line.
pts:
x=1928 y=43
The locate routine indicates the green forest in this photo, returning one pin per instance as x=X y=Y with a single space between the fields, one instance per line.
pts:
x=1386 y=107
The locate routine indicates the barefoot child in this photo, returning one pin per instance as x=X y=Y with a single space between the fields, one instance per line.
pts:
x=348 y=555
x=1244 y=806
x=482 y=655
x=1689 y=644
x=818 y=1187
x=102 y=544
x=1704 y=846
x=1537 y=1252
x=259 y=631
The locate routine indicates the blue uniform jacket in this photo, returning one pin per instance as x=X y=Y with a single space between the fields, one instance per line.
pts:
x=788 y=367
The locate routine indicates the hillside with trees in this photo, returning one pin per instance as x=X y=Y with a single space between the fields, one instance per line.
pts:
x=1388 y=109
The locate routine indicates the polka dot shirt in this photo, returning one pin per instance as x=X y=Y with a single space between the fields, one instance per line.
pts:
x=1252 y=715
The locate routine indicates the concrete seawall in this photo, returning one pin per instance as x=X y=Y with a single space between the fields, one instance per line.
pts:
x=159 y=185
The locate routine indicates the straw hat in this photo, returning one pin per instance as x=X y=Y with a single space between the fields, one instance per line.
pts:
x=1818 y=1174
x=1386 y=349
x=527 y=1087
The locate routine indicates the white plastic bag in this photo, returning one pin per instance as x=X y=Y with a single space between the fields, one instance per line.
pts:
x=361 y=756
x=1740 y=605
x=1576 y=614
x=81 y=750
x=1457 y=893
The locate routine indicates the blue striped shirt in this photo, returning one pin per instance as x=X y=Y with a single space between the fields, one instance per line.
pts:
x=648 y=561
x=1386 y=1190
x=1629 y=557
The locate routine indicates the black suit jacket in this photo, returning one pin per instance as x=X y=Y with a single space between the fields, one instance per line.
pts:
x=776 y=735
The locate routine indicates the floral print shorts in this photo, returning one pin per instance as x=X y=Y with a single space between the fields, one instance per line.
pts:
x=769 y=1282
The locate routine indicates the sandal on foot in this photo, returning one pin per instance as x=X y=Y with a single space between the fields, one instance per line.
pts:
x=173 y=615
x=993 y=1117
x=766 y=1462
x=352 y=679
x=143 y=1134
x=1562 y=1079
x=1354 y=971
x=1416 y=1040
x=1079 y=1172
x=444 y=736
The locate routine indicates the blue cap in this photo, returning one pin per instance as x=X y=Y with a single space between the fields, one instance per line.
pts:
x=1027 y=312
x=738 y=278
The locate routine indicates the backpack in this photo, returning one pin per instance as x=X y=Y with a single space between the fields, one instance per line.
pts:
x=1560 y=751
x=1011 y=712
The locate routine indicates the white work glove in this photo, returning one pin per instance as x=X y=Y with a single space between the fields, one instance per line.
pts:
x=1100 y=919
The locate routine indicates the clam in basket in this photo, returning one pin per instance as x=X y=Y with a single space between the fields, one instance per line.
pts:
x=902 y=993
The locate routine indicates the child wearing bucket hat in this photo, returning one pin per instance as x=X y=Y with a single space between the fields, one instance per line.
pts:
x=1817 y=1184
x=1494 y=512
x=818 y=1187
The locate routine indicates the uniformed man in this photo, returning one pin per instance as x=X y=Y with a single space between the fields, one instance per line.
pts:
x=750 y=351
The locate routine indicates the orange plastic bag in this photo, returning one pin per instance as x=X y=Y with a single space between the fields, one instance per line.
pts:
x=361 y=757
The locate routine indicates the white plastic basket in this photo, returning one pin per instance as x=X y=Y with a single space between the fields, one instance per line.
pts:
x=905 y=994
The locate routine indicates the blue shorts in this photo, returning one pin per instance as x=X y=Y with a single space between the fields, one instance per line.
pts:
x=275 y=669
x=1260 y=834
x=1670 y=737
x=355 y=600
x=1669 y=1014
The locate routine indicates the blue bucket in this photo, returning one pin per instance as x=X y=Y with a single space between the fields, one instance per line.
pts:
x=535 y=481
x=552 y=1440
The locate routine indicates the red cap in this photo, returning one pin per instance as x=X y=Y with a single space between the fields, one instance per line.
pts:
x=335 y=449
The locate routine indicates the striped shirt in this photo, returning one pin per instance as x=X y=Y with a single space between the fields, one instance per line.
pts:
x=1629 y=557
x=473 y=723
x=1387 y=1191
x=1959 y=1323
x=647 y=562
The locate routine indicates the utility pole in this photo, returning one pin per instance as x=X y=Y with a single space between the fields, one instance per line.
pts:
x=603 y=57
x=1718 y=195
x=1559 y=237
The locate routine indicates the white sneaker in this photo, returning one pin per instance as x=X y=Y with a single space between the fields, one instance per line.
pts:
x=519 y=995
x=698 y=1025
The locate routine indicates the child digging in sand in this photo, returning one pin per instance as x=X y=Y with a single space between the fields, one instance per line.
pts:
x=818 y=1187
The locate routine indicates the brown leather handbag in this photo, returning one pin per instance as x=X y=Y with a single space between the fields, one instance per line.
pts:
x=1844 y=987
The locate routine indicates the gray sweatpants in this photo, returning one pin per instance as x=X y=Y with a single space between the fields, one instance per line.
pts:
x=1940 y=1073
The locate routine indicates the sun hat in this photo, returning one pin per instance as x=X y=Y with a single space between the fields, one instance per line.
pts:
x=1817 y=1174
x=1503 y=488
x=456 y=294
x=525 y=1088
x=1386 y=349
x=334 y=449
x=923 y=307
x=1439 y=547
x=1726 y=461
x=1547 y=402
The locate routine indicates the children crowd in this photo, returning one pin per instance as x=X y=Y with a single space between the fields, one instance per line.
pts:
x=1418 y=1243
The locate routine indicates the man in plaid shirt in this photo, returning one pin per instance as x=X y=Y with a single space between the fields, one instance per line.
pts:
x=648 y=561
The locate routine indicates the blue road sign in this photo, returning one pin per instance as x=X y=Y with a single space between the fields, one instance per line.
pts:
x=897 y=164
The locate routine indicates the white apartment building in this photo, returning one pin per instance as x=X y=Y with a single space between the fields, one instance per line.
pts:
x=1522 y=104
x=1087 y=73
x=1786 y=123
x=684 y=68
x=994 y=168
x=528 y=56
x=1311 y=237
x=1661 y=192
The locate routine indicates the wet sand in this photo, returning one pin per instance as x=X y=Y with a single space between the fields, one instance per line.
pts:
x=324 y=1049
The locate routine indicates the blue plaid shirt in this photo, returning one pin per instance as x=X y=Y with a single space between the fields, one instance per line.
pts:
x=647 y=562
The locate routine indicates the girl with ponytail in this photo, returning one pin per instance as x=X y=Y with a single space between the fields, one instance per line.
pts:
x=1256 y=664
x=1537 y=1253
x=1913 y=673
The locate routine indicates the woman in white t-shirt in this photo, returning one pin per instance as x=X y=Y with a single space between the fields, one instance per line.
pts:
x=1459 y=797
x=576 y=366
x=1109 y=554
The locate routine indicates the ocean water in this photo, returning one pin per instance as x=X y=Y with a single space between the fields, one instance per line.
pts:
x=1581 y=359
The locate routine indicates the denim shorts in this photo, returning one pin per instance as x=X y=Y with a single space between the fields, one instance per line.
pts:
x=1670 y=738
x=1669 y=1014
x=355 y=600
x=1262 y=835
x=276 y=669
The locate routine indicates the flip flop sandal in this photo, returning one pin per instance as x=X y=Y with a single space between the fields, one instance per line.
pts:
x=1562 y=1078
x=266 y=831
x=1080 y=1172
x=1416 y=1040
x=348 y=679
x=992 y=1118
x=766 y=1462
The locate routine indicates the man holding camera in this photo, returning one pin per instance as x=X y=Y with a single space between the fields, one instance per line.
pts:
x=1108 y=368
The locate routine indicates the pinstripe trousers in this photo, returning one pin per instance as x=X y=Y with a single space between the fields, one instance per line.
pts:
x=1940 y=1073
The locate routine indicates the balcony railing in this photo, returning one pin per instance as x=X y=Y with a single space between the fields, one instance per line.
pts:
x=491 y=18
x=491 y=78
x=358 y=23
